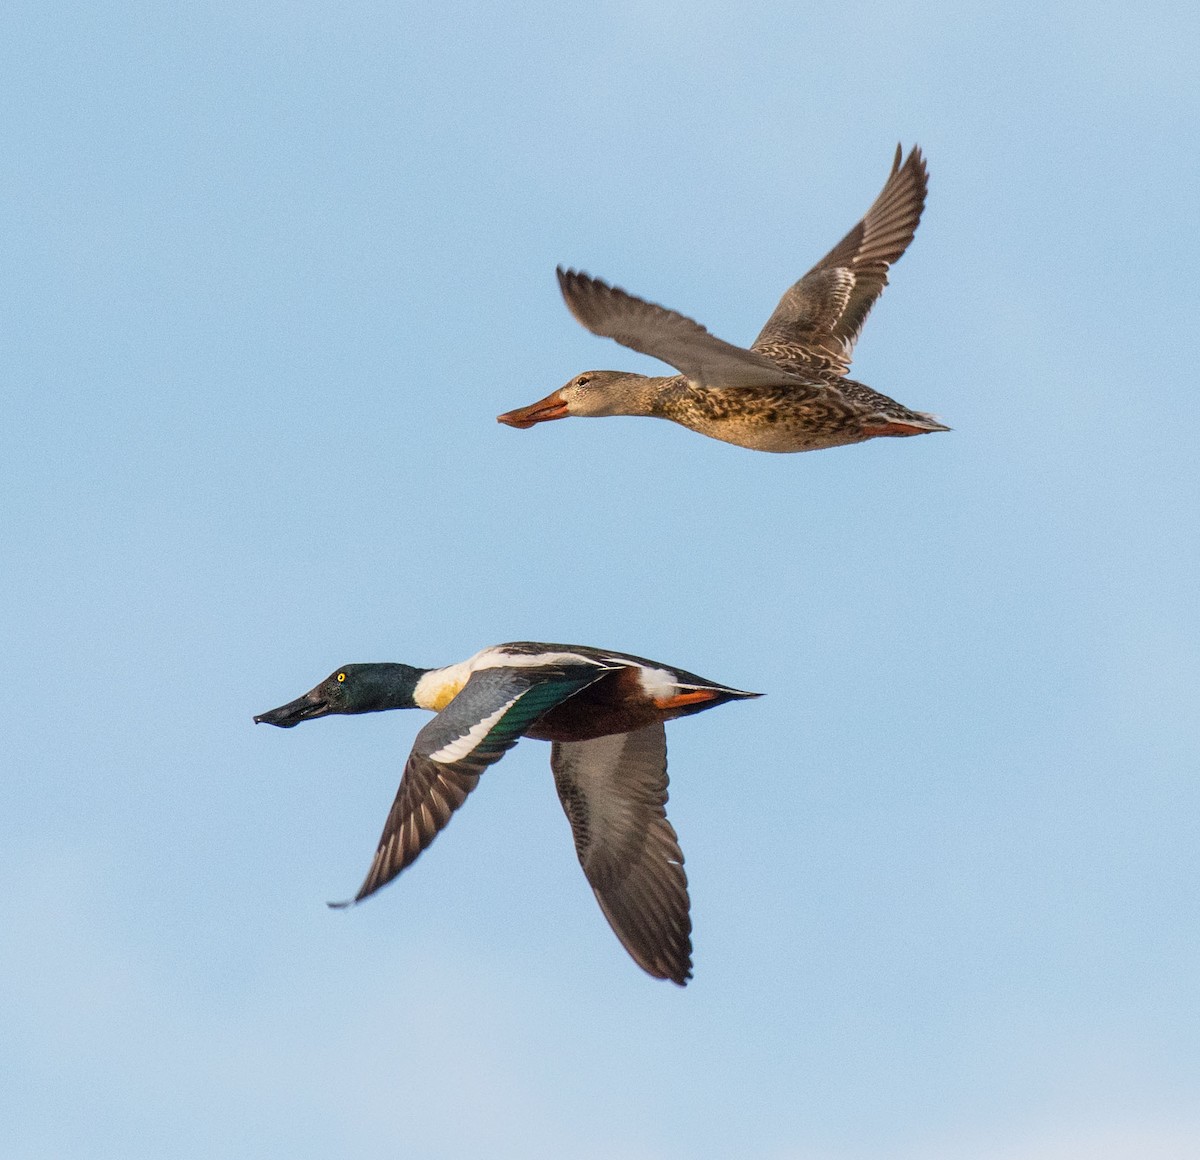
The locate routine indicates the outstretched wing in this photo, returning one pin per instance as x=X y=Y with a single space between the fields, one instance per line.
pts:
x=494 y=708
x=822 y=315
x=614 y=792
x=663 y=334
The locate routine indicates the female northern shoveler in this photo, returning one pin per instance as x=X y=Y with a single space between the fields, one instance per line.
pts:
x=788 y=392
x=604 y=713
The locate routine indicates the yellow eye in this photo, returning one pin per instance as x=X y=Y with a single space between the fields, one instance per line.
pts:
x=341 y=677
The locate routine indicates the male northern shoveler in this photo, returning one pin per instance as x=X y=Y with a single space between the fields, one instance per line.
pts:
x=788 y=392
x=604 y=713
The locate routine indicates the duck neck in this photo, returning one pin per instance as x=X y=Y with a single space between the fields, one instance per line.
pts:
x=390 y=686
x=642 y=394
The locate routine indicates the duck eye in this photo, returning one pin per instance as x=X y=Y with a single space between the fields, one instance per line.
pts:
x=341 y=677
x=583 y=381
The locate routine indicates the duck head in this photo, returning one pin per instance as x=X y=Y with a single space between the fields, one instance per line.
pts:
x=366 y=688
x=591 y=394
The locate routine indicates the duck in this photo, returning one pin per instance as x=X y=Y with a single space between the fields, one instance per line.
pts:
x=787 y=392
x=603 y=713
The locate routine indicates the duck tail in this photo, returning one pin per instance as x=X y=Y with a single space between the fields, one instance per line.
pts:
x=932 y=422
x=696 y=698
x=911 y=423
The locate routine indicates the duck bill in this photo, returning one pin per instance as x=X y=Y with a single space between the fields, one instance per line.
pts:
x=553 y=406
x=301 y=709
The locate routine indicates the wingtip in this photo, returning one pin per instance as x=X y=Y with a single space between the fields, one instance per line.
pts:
x=678 y=973
x=681 y=972
x=916 y=158
x=568 y=282
x=344 y=905
x=916 y=162
x=571 y=278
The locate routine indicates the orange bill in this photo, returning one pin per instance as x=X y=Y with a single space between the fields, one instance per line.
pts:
x=553 y=406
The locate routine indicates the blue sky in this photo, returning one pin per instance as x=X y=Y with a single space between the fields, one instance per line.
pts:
x=270 y=273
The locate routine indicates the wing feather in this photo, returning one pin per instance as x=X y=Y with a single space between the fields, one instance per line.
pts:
x=614 y=792
x=452 y=750
x=822 y=315
x=664 y=334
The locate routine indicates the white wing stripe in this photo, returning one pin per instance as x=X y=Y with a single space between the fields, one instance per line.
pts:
x=461 y=746
x=505 y=660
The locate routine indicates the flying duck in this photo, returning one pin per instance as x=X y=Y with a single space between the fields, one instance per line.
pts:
x=787 y=392
x=604 y=714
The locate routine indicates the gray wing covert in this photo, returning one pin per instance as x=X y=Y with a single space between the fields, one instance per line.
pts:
x=823 y=314
x=614 y=792
x=491 y=712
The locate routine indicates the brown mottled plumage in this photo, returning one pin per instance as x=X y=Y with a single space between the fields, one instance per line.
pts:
x=787 y=392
